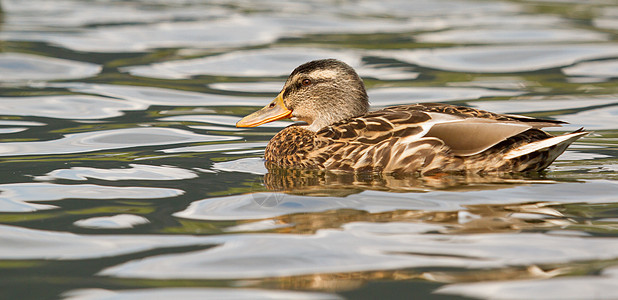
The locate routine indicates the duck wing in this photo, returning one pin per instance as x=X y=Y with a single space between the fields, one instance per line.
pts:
x=468 y=131
x=381 y=141
x=410 y=138
x=465 y=112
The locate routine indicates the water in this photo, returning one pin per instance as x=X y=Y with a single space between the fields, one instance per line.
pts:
x=123 y=176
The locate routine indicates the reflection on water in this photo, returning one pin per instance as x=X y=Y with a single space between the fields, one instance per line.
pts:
x=124 y=176
x=67 y=106
x=23 y=67
x=271 y=62
x=195 y=293
x=107 y=139
x=490 y=59
x=17 y=196
x=316 y=183
x=113 y=222
x=134 y=172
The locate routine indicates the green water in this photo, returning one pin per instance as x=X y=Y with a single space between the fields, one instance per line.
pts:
x=124 y=177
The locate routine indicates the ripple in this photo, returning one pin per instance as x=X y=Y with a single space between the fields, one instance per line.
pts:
x=67 y=107
x=12 y=130
x=403 y=8
x=234 y=31
x=134 y=172
x=112 y=222
x=217 y=148
x=220 y=120
x=225 y=30
x=602 y=286
x=408 y=95
x=251 y=87
x=271 y=62
x=172 y=26
x=75 y=13
x=502 y=59
x=599 y=69
x=195 y=293
x=577 y=155
x=7 y=205
x=497 y=82
x=251 y=165
x=19 y=122
x=507 y=36
x=608 y=18
x=161 y=96
x=23 y=243
x=548 y=103
x=262 y=225
x=364 y=247
x=590 y=112
x=268 y=205
x=14 y=196
x=259 y=206
x=28 y=67
x=603 y=118
x=606 y=23
x=107 y=140
x=257 y=63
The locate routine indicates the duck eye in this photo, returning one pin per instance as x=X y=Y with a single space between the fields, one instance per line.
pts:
x=306 y=82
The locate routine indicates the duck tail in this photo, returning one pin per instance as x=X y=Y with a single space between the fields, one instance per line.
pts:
x=558 y=143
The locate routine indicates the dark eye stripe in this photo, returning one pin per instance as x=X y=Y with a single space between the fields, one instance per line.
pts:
x=286 y=92
x=298 y=85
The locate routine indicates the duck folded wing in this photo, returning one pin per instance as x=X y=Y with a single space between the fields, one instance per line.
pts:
x=472 y=136
x=463 y=135
x=409 y=139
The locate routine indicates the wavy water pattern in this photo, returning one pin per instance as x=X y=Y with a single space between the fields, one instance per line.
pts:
x=123 y=175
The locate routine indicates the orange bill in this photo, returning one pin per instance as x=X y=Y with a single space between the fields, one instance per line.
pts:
x=274 y=111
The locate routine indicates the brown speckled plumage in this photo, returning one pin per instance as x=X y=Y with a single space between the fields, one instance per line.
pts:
x=422 y=138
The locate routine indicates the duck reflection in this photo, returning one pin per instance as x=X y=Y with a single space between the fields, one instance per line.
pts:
x=324 y=183
x=477 y=219
x=471 y=219
x=474 y=219
x=338 y=282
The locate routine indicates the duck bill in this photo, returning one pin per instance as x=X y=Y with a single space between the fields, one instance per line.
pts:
x=274 y=111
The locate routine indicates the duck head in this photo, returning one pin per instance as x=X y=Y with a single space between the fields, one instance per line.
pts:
x=320 y=93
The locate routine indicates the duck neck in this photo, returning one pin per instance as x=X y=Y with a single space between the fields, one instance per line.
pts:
x=324 y=120
x=339 y=106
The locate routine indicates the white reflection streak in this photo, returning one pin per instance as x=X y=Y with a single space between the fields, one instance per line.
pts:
x=135 y=172
x=196 y=294
x=22 y=243
x=112 y=222
x=491 y=59
x=27 y=67
x=14 y=197
x=107 y=140
x=80 y=107
x=366 y=247
x=575 y=287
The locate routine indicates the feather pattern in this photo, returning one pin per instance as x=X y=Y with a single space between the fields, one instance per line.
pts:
x=421 y=138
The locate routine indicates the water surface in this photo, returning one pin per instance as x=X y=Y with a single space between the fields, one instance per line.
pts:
x=124 y=177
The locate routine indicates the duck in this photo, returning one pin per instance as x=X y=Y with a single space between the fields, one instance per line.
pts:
x=337 y=132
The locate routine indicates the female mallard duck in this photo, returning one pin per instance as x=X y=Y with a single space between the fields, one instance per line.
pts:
x=340 y=133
